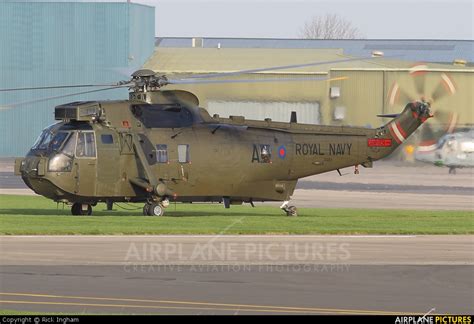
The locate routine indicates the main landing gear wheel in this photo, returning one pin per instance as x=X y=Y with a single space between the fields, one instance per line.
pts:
x=289 y=210
x=452 y=170
x=153 y=209
x=81 y=209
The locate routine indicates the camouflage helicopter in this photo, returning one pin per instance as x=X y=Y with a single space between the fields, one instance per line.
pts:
x=453 y=150
x=159 y=146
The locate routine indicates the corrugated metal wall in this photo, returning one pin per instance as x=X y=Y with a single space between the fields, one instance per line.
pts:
x=46 y=44
x=361 y=96
x=366 y=93
x=307 y=112
x=274 y=100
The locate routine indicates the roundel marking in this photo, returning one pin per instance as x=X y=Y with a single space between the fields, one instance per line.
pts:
x=282 y=152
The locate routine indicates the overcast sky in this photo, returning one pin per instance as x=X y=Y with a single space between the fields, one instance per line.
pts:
x=420 y=19
x=283 y=19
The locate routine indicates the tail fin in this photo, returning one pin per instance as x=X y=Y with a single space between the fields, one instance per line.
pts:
x=388 y=137
x=412 y=117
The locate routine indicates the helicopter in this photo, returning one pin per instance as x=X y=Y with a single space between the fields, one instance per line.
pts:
x=453 y=150
x=159 y=147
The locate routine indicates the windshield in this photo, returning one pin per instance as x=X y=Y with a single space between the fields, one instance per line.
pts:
x=62 y=160
x=58 y=141
x=38 y=140
x=43 y=141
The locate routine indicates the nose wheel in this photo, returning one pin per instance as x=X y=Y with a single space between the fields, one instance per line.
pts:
x=79 y=209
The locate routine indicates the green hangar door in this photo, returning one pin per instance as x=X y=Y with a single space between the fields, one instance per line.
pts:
x=307 y=112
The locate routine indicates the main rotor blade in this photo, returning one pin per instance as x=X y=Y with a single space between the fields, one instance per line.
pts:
x=59 y=87
x=255 y=80
x=276 y=68
x=9 y=106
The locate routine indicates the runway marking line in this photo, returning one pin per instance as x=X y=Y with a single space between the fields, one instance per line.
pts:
x=216 y=306
x=155 y=307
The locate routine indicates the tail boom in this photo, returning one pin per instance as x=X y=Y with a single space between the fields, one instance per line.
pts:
x=388 y=137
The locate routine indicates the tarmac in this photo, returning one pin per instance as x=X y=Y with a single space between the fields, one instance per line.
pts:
x=237 y=249
x=363 y=275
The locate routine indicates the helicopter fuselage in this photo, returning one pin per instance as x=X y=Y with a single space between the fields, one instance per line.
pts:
x=135 y=151
x=454 y=150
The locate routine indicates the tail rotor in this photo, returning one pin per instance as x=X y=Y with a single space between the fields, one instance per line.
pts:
x=434 y=96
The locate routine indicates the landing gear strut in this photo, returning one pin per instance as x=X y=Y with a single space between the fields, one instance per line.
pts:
x=81 y=209
x=155 y=208
x=356 y=169
x=289 y=210
x=110 y=204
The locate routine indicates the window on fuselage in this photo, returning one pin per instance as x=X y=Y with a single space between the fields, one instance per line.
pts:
x=183 y=153
x=162 y=153
x=265 y=153
x=85 y=147
x=163 y=116
x=107 y=139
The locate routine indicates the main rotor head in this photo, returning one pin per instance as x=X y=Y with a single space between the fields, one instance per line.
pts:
x=145 y=80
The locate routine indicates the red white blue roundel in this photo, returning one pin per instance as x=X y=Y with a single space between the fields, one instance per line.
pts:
x=282 y=152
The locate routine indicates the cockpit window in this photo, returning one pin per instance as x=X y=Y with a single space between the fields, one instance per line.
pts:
x=58 y=141
x=68 y=148
x=43 y=141
x=38 y=141
x=441 y=142
x=85 y=145
x=43 y=145
x=61 y=159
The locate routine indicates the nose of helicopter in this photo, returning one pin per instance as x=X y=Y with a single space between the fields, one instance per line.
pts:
x=32 y=170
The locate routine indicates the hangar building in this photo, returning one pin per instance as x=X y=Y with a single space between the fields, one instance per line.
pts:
x=64 y=43
x=354 y=101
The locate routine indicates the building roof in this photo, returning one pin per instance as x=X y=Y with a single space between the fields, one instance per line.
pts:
x=214 y=60
x=410 y=50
